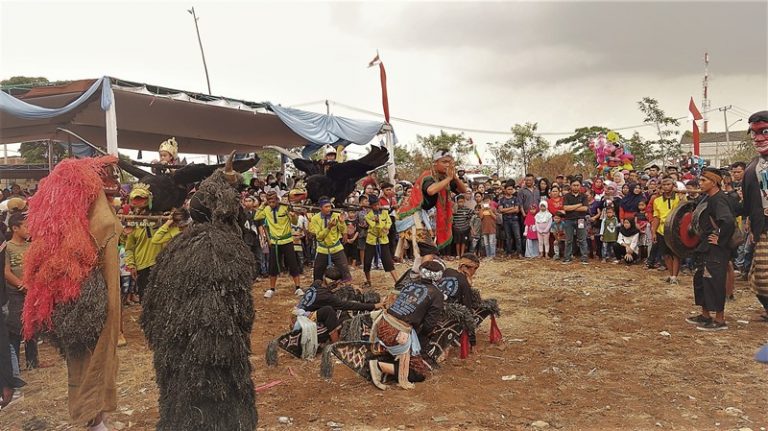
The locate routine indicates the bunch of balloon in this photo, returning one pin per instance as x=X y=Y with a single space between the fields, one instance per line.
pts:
x=610 y=154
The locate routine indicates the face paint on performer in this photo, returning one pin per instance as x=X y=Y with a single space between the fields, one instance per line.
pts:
x=110 y=178
x=759 y=133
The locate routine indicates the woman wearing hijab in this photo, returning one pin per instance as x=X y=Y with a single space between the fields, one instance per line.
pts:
x=626 y=247
x=618 y=178
x=598 y=187
x=628 y=205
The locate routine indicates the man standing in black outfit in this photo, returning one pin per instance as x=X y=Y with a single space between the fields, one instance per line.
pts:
x=715 y=224
x=575 y=205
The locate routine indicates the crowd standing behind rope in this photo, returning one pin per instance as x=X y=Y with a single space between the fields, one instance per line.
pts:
x=616 y=218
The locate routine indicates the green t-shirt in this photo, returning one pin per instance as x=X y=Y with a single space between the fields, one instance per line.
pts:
x=14 y=257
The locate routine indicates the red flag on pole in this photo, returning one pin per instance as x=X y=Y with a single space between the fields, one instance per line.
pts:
x=383 y=75
x=695 y=115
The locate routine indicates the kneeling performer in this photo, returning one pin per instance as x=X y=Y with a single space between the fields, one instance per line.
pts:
x=320 y=304
x=415 y=312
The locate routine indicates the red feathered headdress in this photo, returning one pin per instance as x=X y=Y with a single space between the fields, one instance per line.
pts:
x=62 y=253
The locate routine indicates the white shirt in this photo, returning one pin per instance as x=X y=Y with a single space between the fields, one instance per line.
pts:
x=630 y=242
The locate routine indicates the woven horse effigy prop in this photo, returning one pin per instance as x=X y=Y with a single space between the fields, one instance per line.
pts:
x=291 y=341
x=356 y=349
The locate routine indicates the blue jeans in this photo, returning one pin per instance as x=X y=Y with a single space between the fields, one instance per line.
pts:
x=608 y=250
x=512 y=231
x=489 y=240
x=571 y=227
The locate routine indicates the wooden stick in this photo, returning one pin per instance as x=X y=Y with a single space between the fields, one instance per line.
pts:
x=143 y=217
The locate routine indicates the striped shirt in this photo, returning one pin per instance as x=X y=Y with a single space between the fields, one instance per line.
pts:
x=461 y=219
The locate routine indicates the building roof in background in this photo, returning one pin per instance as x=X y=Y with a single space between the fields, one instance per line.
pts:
x=734 y=136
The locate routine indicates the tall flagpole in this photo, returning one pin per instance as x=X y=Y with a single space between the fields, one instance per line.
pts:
x=205 y=66
x=202 y=53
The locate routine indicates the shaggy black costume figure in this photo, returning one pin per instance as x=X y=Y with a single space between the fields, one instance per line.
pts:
x=197 y=317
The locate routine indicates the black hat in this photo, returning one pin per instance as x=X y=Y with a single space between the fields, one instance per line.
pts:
x=757 y=117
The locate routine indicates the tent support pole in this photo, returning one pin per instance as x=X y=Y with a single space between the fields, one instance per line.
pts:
x=110 y=124
x=50 y=156
x=391 y=169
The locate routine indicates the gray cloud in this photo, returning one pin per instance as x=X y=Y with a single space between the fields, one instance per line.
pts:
x=543 y=41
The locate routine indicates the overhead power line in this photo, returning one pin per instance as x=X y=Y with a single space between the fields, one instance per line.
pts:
x=469 y=129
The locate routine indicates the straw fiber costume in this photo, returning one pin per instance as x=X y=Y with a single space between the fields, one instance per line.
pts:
x=198 y=314
x=72 y=276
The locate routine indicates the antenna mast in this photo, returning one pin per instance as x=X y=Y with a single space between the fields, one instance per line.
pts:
x=706 y=103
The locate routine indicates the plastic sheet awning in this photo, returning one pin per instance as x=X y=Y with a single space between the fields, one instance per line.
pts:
x=147 y=115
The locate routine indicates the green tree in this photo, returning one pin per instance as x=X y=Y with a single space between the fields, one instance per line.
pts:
x=578 y=144
x=744 y=151
x=409 y=164
x=269 y=162
x=526 y=144
x=37 y=152
x=17 y=81
x=640 y=149
x=503 y=157
x=667 y=146
x=454 y=142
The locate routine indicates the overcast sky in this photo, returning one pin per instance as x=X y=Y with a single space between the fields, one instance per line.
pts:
x=474 y=65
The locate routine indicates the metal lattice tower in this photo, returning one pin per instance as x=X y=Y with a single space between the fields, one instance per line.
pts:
x=706 y=103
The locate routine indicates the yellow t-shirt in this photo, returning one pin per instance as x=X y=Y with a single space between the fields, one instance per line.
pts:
x=140 y=250
x=378 y=230
x=328 y=240
x=278 y=224
x=661 y=209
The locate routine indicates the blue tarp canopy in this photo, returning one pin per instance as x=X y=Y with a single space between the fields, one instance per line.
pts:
x=147 y=115
x=320 y=130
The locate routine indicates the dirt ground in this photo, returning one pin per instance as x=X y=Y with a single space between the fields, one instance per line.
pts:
x=601 y=347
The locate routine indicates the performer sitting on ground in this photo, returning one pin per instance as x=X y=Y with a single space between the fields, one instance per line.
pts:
x=456 y=285
x=278 y=224
x=416 y=311
x=321 y=305
x=329 y=229
x=431 y=190
x=377 y=240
